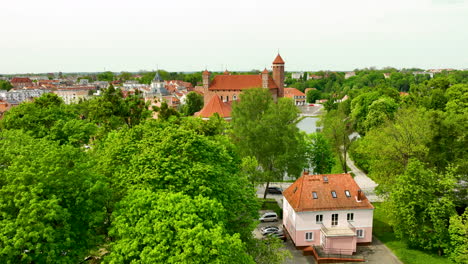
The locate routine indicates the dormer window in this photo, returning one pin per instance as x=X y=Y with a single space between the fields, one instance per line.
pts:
x=348 y=194
x=314 y=194
x=333 y=193
x=325 y=179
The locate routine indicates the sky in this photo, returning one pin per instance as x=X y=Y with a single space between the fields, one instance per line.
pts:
x=188 y=35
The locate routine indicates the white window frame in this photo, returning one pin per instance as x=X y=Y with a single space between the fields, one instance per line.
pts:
x=350 y=217
x=334 y=222
x=362 y=233
x=319 y=219
x=309 y=236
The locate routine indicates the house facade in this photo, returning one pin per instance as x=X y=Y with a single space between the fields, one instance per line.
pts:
x=298 y=97
x=329 y=211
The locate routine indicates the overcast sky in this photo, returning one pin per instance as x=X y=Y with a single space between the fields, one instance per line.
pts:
x=189 y=35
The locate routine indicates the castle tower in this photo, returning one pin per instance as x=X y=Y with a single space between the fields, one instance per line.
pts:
x=206 y=79
x=158 y=86
x=278 y=74
x=265 y=78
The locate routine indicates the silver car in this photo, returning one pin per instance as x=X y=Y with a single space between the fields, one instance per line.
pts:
x=269 y=217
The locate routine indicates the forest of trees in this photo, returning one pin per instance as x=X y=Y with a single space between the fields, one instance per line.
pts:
x=413 y=145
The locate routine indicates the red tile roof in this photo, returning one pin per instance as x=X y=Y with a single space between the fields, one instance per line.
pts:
x=239 y=82
x=299 y=194
x=215 y=105
x=291 y=92
x=278 y=60
x=20 y=80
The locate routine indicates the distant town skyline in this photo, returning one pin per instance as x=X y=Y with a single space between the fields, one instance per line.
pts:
x=181 y=35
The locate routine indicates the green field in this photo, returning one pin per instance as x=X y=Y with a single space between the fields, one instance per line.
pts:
x=384 y=232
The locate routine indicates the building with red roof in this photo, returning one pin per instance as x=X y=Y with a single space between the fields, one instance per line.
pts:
x=298 y=97
x=228 y=87
x=19 y=82
x=215 y=105
x=329 y=211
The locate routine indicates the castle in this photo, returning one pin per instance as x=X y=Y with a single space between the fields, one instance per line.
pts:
x=228 y=87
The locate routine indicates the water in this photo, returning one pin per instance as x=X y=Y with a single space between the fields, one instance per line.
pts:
x=309 y=125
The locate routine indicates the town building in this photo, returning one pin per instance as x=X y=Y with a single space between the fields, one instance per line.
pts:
x=215 y=105
x=73 y=96
x=298 y=97
x=6 y=105
x=297 y=75
x=20 y=82
x=22 y=95
x=328 y=211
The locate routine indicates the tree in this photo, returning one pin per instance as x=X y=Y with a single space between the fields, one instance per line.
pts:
x=125 y=76
x=458 y=231
x=5 y=85
x=167 y=227
x=48 y=117
x=313 y=95
x=421 y=203
x=267 y=131
x=52 y=202
x=268 y=251
x=380 y=111
x=337 y=129
x=390 y=147
x=319 y=155
x=193 y=103
x=165 y=112
x=106 y=76
x=161 y=155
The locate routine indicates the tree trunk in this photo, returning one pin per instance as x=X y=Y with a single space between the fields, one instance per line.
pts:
x=345 y=169
x=266 y=189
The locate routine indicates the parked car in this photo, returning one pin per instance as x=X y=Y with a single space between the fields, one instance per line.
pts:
x=311 y=105
x=274 y=190
x=269 y=229
x=279 y=235
x=269 y=217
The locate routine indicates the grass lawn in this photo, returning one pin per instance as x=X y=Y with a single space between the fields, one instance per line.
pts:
x=383 y=231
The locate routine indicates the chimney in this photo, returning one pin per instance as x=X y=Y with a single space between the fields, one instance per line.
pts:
x=359 y=195
x=306 y=172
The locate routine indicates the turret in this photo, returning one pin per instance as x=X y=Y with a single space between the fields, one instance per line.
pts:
x=278 y=74
x=265 y=78
x=206 y=79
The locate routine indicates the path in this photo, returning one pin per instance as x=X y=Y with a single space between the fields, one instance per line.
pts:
x=367 y=184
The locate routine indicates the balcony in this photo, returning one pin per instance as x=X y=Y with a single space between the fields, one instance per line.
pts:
x=339 y=231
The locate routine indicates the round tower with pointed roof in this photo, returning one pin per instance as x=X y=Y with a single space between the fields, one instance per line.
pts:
x=265 y=78
x=278 y=74
x=206 y=79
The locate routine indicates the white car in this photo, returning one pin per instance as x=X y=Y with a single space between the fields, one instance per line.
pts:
x=269 y=217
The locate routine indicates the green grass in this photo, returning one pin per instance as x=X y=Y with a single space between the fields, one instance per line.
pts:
x=384 y=232
x=270 y=204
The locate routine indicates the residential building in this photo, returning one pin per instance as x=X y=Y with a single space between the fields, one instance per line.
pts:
x=22 y=95
x=298 y=96
x=329 y=211
x=6 y=105
x=297 y=75
x=431 y=74
x=349 y=75
x=20 y=82
x=70 y=96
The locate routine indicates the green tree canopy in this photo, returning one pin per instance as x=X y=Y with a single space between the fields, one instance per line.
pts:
x=51 y=202
x=106 y=76
x=169 y=227
x=421 y=205
x=267 y=131
x=319 y=154
x=193 y=103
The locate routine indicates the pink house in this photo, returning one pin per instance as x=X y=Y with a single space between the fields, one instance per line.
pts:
x=328 y=211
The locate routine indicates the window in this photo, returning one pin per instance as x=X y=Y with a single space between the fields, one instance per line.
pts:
x=334 y=220
x=347 y=193
x=350 y=216
x=333 y=194
x=234 y=97
x=360 y=233
x=318 y=219
x=309 y=236
x=314 y=194
x=227 y=98
x=325 y=179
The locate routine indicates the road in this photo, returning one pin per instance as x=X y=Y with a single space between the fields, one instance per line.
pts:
x=366 y=184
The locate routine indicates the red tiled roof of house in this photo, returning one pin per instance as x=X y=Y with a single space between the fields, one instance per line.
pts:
x=278 y=60
x=403 y=94
x=239 y=82
x=291 y=92
x=215 y=105
x=20 y=80
x=300 y=193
